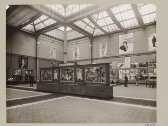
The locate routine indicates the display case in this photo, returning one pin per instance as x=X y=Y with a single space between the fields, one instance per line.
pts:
x=46 y=74
x=67 y=74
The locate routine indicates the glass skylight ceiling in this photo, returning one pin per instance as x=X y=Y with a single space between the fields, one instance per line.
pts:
x=148 y=12
x=125 y=15
x=41 y=22
x=66 y=10
x=62 y=28
x=104 y=21
x=86 y=25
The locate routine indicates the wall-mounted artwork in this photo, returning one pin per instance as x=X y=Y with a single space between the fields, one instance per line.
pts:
x=103 y=49
x=18 y=72
x=114 y=75
x=66 y=74
x=133 y=73
x=126 y=43
x=152 y=42
x=46 y=74
x=55 y=75
x=52 y=53
x=76 y=53
x=79 y=74
x=127 y=62
x=23 y=62
x=121 y=65
x=95 y=74
x=143 y=74
x=120 y=74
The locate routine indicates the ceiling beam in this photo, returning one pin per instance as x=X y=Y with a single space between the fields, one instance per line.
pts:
x=30 y=21
x=80 y=30
x=137 y=14
x=114 y=19
x=49 y=28
x=48 y=12
x=97 y=26
x=85 y=12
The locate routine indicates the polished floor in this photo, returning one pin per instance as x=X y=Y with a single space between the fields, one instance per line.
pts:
x=134 y=104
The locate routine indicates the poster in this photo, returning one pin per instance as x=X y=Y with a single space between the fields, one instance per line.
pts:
x=133 y=73
x=79 y=74
x=152 y=42
x=102 y=49
x=46 y=75
x=114 y=75
x=126 y=43
x=67 y=74
x=52 y=53
x=23 y=62
x=127 y=62
x=76 y=53
x=95 y=74
x=121 y=65
x=55 y=74
x=114 y=65
x=120 y=74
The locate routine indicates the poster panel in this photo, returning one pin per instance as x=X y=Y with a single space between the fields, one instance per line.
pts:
x=102 y=49
x=152 y=42
x=126 y=43
x=52 y=53
x=76 y=53
x=127 y=62
x=23 y=62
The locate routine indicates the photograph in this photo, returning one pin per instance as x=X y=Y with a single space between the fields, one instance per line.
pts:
x=81 y=63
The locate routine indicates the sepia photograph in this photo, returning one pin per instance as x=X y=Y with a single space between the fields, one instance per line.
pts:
x=81 y=63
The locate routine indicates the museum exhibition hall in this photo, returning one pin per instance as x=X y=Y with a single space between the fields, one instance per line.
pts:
x=81 y=63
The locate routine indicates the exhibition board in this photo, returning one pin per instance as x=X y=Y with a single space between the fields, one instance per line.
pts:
x=81 y=74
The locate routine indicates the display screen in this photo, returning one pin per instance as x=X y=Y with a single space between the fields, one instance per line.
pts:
x=67 y=74
x=46 y=74
x=79 y=74
x=95 y=74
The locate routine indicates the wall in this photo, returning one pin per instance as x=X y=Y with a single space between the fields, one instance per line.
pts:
x=84 y=49
x=140 y=46
x=19 y=44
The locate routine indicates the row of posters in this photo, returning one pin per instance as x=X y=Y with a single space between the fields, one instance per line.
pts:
x=125 y=46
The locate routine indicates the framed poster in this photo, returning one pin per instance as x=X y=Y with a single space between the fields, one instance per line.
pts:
x=66 y=74
x=133 y=73
x=23 y=62
x=127 y=62
x=114 y=75
x=55 y=74
x=79 y=74
x=46 y=74
x=102 y=49
x=18 y=72
x=152 y=42
x=120 y=74
x=52 y=53
x=126 y=43
x=95 y=74
x=143 y=74
x=121 y=65
x=76 y=53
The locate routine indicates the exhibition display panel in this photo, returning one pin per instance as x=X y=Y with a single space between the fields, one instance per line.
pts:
x=91 y=80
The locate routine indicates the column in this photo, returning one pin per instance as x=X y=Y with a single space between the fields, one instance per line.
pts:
x=91 y=50
x=65 y=44
x=37 y=61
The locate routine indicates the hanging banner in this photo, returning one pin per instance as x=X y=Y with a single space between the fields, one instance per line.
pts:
x=76 y=53
x=127 y=62
x=126 y=43
x=152 y=42
x=102 y=49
